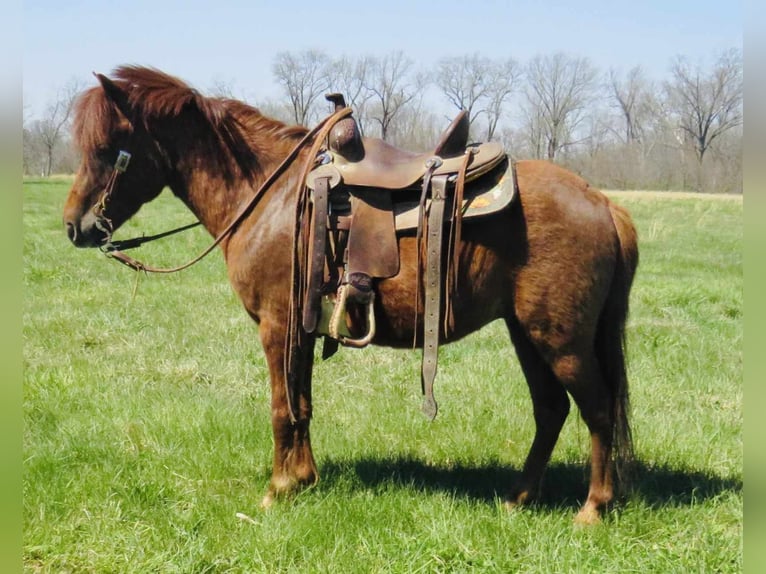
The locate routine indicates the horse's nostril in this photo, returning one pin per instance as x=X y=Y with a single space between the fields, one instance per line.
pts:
x=71 y=232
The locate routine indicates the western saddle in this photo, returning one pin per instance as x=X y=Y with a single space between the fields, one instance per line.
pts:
x=361 y=195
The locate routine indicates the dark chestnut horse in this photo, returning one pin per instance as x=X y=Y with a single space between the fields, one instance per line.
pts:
x=556 y=266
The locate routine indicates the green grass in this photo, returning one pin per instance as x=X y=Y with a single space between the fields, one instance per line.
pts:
x=147 y=424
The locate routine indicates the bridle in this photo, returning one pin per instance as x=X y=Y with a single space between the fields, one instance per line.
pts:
x=103 y=223
x=114 y=249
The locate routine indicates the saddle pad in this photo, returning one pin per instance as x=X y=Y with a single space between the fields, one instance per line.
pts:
x=482 y=197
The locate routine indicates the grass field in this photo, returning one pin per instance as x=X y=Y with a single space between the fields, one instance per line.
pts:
x=147 y=424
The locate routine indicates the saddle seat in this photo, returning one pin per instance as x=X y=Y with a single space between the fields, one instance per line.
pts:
x=372 y=162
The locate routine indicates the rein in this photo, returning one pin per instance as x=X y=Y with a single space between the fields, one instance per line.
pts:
x=115 y=249
x=123 y=244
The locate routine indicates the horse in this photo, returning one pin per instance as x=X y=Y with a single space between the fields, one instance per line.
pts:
x=556 y=266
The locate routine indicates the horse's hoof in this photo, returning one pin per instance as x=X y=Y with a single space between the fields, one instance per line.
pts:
x=588 y=516
x=268 y=501
x=512 y=504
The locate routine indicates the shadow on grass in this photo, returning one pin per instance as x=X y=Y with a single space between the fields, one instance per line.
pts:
x=564 y=485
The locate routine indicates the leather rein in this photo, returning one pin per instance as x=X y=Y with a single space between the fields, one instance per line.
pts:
x=114 y=249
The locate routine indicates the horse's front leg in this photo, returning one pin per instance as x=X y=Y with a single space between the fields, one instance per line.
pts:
x=294 y=467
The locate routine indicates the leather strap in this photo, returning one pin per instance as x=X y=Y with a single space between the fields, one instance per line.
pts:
x=431 y=166
x=318 y=238
x=433 y=284
x=456 y=233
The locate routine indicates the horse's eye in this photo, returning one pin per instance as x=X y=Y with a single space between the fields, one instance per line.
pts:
x=105 y=154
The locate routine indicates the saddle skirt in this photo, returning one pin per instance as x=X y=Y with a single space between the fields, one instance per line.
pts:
x=482 y=197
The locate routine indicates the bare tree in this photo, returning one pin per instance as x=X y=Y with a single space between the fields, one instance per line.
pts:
x=392 y=88
x=706 y=105
x=416 y=127
x=221 y=88
x=464 y=81
x=478 y=85
x=633 y=97
x=351 y=78
x=29 y=151
x=305 y=77
x=276 y=108
x=558 y=93
x=533 y=133
x=48 y=132
x=504 y=75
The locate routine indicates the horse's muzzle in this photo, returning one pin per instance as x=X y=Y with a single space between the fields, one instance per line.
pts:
x=85 y=232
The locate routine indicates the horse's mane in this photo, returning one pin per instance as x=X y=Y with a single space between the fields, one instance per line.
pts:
x=242 y=135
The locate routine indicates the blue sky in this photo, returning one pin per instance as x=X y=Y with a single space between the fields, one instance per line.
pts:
x=235 y=42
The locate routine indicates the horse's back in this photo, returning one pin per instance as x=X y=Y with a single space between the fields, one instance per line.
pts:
x=555 y=196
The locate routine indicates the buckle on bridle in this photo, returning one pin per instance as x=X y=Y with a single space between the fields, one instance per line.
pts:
x=123 y=159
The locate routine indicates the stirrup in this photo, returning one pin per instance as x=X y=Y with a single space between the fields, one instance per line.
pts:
x=339 y=315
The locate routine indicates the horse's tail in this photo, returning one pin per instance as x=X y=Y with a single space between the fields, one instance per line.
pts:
x=610 y=340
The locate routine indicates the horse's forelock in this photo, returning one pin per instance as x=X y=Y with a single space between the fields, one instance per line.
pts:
x=95 y=117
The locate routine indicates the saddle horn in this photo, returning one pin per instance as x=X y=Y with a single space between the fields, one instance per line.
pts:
x=337 y=99
x=345 y=138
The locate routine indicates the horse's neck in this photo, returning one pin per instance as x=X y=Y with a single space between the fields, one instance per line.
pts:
x=207 y=196
x=208 y=178
x=214 y=198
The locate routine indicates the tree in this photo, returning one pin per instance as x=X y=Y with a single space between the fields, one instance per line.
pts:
x=632 y=96
x=706 y=105
x=305 y=77
x=478 y=85
x=391 y=88
x=559 y=90
x=221 y=88
x=465 y=82
x=46 y=134
x=533 y=132
x=504 y=75
x=417 y=128
x=351 y=78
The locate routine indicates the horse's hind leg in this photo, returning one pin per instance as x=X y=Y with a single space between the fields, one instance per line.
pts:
x=581 y=374
x=551 y=407
x=551 y=372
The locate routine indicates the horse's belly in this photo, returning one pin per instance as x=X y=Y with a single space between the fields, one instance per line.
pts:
x=481 y=296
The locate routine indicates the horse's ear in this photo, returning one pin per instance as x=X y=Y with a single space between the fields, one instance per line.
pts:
x=116 y=94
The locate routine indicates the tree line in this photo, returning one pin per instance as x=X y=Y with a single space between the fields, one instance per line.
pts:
x=620 y=129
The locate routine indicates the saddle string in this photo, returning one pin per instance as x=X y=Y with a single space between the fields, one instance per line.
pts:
x=297 y=352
